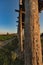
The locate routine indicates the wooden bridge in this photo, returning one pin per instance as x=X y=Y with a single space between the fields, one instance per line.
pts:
x=29 y=30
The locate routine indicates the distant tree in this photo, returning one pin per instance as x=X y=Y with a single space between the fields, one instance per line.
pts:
x=7 y=33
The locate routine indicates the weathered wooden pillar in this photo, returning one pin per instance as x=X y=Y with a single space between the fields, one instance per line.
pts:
x=21 y=39
x=32 y=45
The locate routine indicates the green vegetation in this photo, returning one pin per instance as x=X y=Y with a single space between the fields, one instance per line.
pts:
x=6 y=37
x=42 y=45
x=8 y=56
x=42 y=40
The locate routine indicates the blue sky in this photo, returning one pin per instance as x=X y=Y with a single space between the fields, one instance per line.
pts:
x=8 y=16
x=41 y=21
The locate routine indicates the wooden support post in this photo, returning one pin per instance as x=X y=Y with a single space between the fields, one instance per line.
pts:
x=32 y=45
x=21 y=39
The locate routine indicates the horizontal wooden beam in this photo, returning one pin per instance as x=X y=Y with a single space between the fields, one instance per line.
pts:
x=17 y=21
x=18 y=17
x=20 y=10
x=17 y=10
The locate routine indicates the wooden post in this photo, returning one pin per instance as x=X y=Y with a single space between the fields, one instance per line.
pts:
x=32 y=45
x=21 y=39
